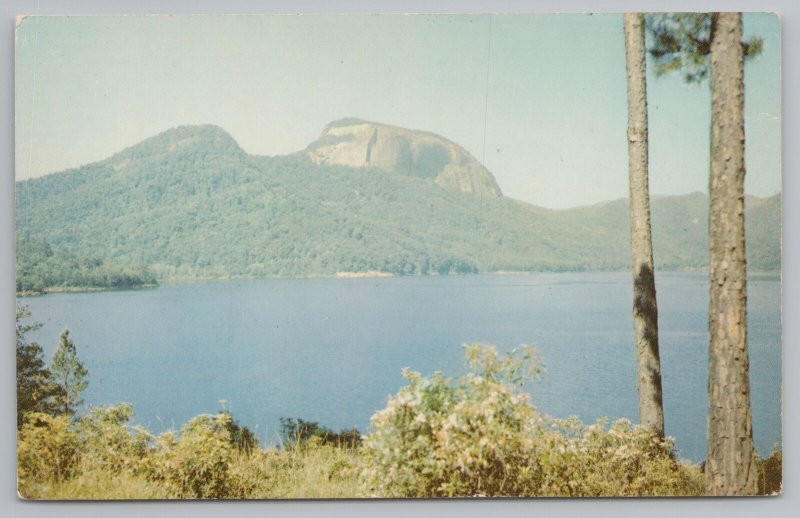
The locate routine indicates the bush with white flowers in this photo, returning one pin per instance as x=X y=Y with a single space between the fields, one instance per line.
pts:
x=479 y=435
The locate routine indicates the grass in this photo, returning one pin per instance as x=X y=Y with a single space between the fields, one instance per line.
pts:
x=95 y=484
x=308 y=472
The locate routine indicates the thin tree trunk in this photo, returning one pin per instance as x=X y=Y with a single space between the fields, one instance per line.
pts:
x=645 y=310
x=730 y=466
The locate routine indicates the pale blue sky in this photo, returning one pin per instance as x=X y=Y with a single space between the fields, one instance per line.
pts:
x=547 y=115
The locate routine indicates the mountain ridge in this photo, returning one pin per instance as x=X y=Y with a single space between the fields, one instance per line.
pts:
x=189 y=203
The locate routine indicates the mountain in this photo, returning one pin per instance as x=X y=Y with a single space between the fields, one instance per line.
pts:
x=189 y=203
x=360 y=144
x=680 y=229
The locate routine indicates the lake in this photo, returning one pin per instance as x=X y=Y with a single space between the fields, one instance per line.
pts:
x=331 y=350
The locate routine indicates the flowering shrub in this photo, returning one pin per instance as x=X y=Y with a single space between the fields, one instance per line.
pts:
x=616 y=460
x=480 y=436
x=473 y=436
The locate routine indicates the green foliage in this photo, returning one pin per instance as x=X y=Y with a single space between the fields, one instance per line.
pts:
x=191 y=205
x=313 y=471
x=35 y=387
x=196 y=463
x=479 y=435
x=41 y=267
x=466 y=437
x=47 y=450
x=681 y=42
x=763 y=235
x=438 y=437
x=69 y=375
x=299 y=433
x=107 y=443
x=615 y=460
x=241 y=437
x=680 y=229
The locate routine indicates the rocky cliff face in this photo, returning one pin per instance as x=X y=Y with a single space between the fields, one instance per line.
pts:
x=357 y=143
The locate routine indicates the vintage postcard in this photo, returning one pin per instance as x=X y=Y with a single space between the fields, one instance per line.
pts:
x=398 y=256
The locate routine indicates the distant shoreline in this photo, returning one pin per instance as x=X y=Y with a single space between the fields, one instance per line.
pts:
x=82 y=289
x=768 y=274
x=363 y=275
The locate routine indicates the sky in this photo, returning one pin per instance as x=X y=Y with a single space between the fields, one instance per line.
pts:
x=539 y=99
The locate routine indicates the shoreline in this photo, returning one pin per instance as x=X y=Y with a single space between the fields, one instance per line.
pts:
x=758 y=274
x=82 y=289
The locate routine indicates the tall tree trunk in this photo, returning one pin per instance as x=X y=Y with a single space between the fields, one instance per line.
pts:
x=645 y=311
x=730 y=466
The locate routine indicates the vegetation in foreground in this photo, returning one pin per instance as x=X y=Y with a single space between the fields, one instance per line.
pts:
x=477 y=435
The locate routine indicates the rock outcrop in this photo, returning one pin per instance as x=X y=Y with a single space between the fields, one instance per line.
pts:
x=357 y=143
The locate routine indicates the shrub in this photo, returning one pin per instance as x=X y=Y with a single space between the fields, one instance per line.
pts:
x=480 y=436
x=35 y=387
x=298 y=433
x=195 y=464
x=241 y=437
x=311 y=471
x=473 y=436
x=106 y=441
x=254 y=475
x=616 y=460
x=47 y=451
x=99 y=456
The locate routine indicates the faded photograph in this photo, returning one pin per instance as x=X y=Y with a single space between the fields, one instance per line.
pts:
x=398 y=256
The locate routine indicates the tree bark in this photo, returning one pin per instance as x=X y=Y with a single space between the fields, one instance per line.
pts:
x=730 y=466
x=645 y=310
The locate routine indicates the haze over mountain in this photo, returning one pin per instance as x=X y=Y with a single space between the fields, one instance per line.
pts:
x=190 y=203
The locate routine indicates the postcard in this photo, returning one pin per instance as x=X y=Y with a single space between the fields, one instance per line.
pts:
x=398 y=256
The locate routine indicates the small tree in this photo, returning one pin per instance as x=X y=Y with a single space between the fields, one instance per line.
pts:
x=69 y=375
x=241 y=437
x=35 y=387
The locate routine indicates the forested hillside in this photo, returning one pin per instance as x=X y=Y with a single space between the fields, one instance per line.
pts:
x=189 y=203
x=41 y=268
x=680 y=229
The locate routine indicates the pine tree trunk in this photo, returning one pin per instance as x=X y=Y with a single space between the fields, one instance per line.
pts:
x=730 y=467
x=645 y=311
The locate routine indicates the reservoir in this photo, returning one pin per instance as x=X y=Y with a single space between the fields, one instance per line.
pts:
x=331 y=350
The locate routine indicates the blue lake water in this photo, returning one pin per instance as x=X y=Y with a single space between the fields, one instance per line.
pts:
x=331 y=350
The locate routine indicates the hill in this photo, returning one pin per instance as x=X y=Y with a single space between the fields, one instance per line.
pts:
x=190 y=204
x=680 y=229
x=42 y=268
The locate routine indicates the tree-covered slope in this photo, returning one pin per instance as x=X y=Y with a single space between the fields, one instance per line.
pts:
x=189 y=203
x=42 y=268
x=680 y=229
